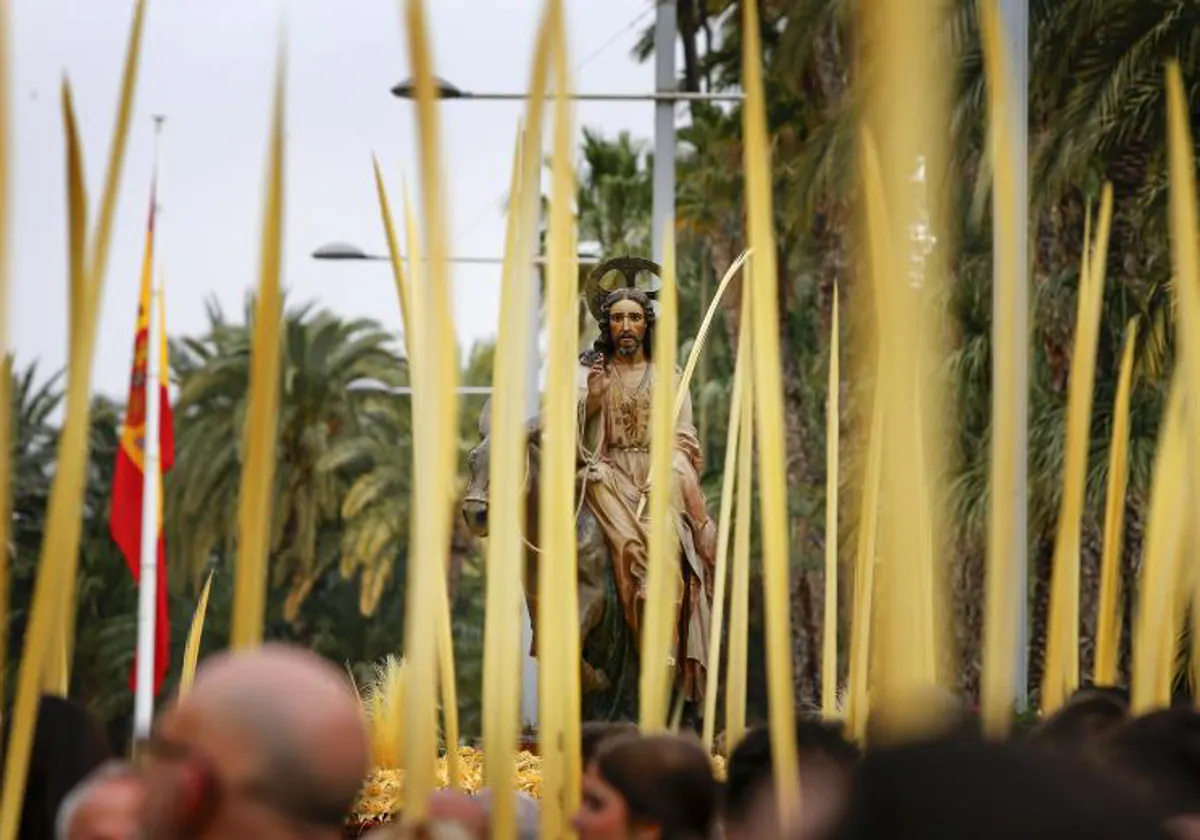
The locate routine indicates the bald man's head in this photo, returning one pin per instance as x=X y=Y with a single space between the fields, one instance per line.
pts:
x=104 y=806
x=280 y=722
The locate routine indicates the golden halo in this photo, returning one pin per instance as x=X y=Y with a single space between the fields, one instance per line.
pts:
x=599 y=286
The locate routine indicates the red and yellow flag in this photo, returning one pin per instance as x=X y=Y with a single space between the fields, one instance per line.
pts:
x=125 y=519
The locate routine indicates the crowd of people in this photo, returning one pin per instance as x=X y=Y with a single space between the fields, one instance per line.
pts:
x=272 y=743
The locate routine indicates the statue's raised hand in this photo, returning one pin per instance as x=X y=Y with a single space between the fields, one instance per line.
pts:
x=598 y=378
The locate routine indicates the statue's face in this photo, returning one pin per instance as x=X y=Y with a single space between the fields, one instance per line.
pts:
x=627 y=326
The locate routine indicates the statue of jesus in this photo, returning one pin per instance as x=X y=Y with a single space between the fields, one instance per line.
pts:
x=616 y=381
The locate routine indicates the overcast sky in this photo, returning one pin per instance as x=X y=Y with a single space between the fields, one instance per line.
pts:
x=207 y=65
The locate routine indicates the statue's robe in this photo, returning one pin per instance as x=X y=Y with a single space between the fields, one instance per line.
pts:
x=614 y=451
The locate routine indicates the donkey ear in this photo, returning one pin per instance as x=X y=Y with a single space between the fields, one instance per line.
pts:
x=533 y=427
x=485 y=419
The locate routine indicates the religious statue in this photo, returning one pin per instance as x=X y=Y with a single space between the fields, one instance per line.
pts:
x=616 y=384
x=616 y=378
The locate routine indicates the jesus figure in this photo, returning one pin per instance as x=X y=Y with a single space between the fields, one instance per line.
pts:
x=616 y=381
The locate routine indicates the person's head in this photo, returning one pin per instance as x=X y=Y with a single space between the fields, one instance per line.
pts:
x=1157 y=756
x=827 y=761
x=594 y=734
x=1089 y=716
x=962 y=787
x=68 y=745
x=527 y=810
x=652 y=788
x=104 y=806
x=432 y=829
x=461 y=809
x=626 y=325
x=268 y=743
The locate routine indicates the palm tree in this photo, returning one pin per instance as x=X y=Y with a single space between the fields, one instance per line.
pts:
x=106 y=599
x=34 y=438
x=1096 y=113
x=334 y=372
x=614 y=194
x=376 y=507
x=693 y=19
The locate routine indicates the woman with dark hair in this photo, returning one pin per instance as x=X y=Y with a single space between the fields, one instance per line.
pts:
x=68 y=745
x=594 y=734
x=656 y=788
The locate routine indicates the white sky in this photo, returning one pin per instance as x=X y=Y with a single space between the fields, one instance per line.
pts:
x=208 y=65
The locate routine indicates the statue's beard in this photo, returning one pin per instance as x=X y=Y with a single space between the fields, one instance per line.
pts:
x=630 y=349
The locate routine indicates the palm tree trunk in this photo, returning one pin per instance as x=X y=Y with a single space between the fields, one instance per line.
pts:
x=967 y=597
x=1091 y=540
x=806 y=582
x=808 y=607
x=828 y=237
x=689 y=28
x=1043 y=566
x=1131 y=563
x=722 y=249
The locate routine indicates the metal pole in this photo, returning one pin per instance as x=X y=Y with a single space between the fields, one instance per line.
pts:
x=663 y=213
x=1015 y=17
x=533 y=405
x=667 y=96
x=143 y=710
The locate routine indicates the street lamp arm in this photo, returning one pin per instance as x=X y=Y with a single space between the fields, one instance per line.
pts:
x=665 y=96
x=405 y=91
x=406 y=390
x=343 y=251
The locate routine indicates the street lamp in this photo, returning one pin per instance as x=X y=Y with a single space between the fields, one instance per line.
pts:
x=664 y=99
x=446 y=90
x=343 y=251
x=347 y=251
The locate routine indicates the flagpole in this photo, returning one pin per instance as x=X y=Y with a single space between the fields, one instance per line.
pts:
x=143 y=707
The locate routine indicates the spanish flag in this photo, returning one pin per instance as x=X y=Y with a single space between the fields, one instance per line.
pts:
x=125 y=519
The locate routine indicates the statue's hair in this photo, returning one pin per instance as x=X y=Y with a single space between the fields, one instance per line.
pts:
x=604 y=343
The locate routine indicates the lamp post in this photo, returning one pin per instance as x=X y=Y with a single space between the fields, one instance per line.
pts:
x=1014 y=15
x=665 y=97
x=663 y=204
